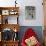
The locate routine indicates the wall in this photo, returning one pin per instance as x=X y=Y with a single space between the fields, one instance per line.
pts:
x=22 y=21
x=39 y=13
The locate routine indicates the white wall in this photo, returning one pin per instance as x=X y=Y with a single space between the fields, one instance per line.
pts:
x=39 y=13
x=22 y=3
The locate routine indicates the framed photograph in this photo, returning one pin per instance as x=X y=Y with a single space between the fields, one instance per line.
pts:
x=13 y=12
x=5 y=12
x=30 y=12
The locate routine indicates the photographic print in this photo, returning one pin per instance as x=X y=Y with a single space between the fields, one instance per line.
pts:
x=30 y=12
x=5 y=12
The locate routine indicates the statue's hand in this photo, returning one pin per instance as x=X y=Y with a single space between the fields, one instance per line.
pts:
x=31 y=41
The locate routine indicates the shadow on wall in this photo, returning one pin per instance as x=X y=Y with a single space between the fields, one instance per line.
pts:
x=37 y=29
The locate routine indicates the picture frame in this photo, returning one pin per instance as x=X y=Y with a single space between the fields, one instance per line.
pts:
x=5 y=12
x=30 y=12
x=13 y=12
